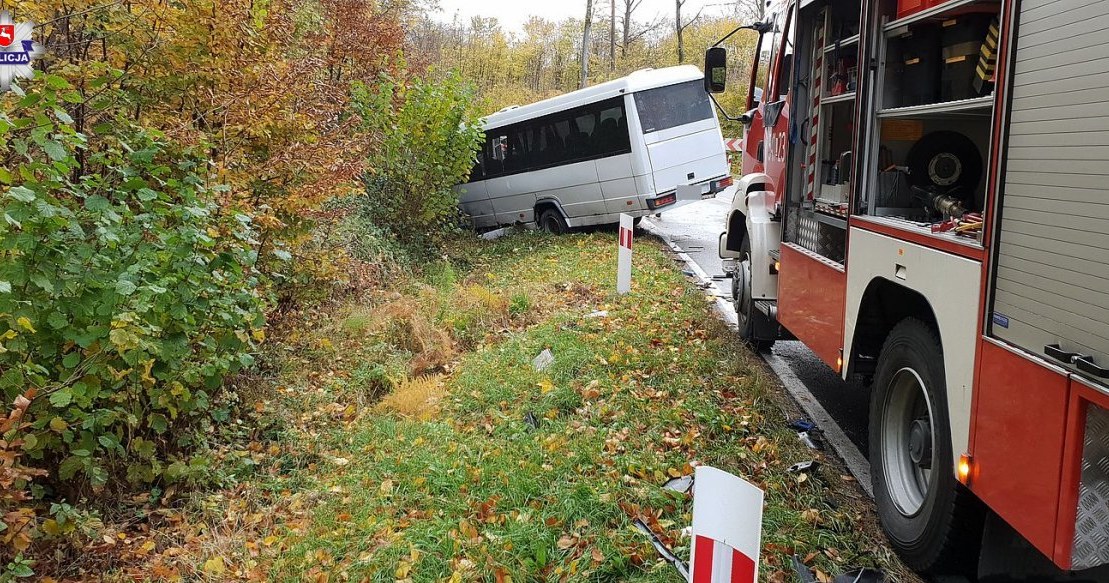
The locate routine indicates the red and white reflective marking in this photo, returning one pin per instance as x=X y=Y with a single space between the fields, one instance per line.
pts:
x=727 y=528
x=817 y=81
x=716 y=562
x=626 y=238
x=624 y=255
x=733 y=144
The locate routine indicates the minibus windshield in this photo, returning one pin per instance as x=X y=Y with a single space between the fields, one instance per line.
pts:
x=672 y=106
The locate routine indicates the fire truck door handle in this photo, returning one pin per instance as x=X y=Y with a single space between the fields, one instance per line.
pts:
x=1086 y=365
x=1056 y=352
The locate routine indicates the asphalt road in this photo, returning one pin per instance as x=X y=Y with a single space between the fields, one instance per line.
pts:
x=695 y=228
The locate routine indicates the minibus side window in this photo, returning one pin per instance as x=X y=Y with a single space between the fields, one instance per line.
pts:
x=495 y=147
x=579 y=144
x=478 y=171
x=585 y=133
x=612 y=132
x=515 y=158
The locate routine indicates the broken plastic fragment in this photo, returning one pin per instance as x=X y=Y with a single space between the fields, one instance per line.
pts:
x=663 y=550
x=809 y=439
x=809 y=466
x=543 y=361
x=681 y=484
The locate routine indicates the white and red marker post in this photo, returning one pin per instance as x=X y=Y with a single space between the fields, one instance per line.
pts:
x=624 y=255
x=727 y=528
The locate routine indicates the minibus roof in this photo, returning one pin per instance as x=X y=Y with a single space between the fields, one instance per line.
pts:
x=637 y=81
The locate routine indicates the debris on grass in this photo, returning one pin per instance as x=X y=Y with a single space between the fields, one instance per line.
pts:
x=810 y=440
x=664 y=551
x=801 y=467
x=543 y=361
x=681 y=484
x=802 y=425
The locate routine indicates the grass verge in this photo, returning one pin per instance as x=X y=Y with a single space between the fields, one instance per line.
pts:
x=411 y=438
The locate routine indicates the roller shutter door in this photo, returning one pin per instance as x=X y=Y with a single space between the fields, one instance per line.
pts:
x=1052 y=270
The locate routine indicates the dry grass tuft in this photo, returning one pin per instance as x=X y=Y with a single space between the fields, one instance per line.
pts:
x=404 y=324
x=416 y=398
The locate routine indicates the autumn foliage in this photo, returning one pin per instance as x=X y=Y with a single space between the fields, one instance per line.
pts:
x=177 y=172
x=180 y=177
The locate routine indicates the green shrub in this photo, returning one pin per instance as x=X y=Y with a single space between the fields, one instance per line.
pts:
x=126 y=294
x=427 y=141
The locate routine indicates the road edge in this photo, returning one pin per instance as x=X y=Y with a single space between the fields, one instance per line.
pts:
x=855 y=461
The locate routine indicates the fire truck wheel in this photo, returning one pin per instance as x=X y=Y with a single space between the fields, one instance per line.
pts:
x=746 y=313
x=552 y=222
x=934 y=523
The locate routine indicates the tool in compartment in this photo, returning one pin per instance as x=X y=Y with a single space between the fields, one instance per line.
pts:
x=987 y=60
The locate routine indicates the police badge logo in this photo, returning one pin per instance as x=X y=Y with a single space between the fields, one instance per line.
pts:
x=17 y=50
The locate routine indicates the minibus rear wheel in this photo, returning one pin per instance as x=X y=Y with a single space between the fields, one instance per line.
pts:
x=551 y=221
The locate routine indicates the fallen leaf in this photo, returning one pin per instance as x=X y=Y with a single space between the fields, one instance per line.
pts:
x=215 y=566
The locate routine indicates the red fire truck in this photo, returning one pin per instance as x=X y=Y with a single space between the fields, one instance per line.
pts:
x=925 y=204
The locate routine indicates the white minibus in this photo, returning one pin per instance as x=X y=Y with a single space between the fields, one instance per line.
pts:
x=583 y=158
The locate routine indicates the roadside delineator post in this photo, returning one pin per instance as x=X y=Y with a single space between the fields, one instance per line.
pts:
x=727 y=528
x=624 y=255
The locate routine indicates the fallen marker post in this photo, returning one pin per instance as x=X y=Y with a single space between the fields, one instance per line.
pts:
x=624 y=255
x=727 y=528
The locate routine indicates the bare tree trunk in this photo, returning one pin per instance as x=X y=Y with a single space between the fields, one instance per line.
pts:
x=678 y=29
x=629 y=8
x=627 y=27
x=612 y=36
x=585 y=44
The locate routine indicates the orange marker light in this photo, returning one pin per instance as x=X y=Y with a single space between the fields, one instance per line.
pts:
x=777 y=266
x=964 y=468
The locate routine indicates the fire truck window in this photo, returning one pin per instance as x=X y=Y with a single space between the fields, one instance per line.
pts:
x=783 y=29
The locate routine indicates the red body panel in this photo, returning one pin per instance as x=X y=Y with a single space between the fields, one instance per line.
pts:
x=1018 y=445
x=811 y=296
x=752 y=140
x=1080 y=398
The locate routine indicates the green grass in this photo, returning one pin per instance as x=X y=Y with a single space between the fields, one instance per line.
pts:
x=471 y=490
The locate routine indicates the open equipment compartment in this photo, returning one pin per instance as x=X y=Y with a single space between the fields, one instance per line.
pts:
x=825 y=102
x=933 y=109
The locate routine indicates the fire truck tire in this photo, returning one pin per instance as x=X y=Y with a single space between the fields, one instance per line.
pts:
x=551 y=221
x=933 y=522
x=747 y=314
